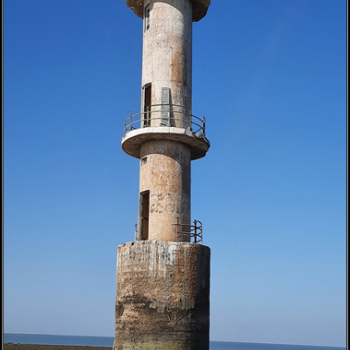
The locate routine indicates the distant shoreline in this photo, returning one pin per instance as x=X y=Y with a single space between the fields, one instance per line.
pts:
x=13 y=346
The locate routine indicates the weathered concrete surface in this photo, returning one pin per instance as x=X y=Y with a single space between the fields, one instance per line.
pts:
x=167 y=51
x=162 y=296
x=200 y=8
x=166 y=76
x=167 y=175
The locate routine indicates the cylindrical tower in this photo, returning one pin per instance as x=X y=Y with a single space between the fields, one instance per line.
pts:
x=167 y=51
x=165 y=136
x=163 y=277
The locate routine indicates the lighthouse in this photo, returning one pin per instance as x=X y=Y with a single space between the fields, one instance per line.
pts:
x=163 y=276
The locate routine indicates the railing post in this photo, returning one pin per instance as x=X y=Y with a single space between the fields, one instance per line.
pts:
x=195 y=231
x=203 y=125
x=130 y=123
x=148 y=123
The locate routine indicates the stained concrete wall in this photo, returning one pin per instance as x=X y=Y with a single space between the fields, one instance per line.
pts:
x=165 y=171
x=167 y=51
x=162 y=296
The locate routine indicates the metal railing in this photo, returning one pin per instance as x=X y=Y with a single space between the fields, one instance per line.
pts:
x=136 y=233
x=168 y=115
x=193 y=232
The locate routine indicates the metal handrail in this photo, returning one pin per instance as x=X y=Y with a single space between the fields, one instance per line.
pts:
x=194 y=232
x=168 y=115
x=136 y=233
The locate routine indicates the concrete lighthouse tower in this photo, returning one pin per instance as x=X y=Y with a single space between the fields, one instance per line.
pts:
x=163 y=277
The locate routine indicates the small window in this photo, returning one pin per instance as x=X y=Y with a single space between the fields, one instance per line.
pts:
x=147 y=15
x=144 y=161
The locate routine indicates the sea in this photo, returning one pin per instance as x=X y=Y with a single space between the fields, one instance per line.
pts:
x=108 y=342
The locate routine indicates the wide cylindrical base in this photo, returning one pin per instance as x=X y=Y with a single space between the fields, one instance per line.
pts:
x=162 y=296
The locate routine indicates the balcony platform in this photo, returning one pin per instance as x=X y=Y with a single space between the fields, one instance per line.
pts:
x=133 y=139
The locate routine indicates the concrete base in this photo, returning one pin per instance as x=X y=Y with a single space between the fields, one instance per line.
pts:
x=162 y=296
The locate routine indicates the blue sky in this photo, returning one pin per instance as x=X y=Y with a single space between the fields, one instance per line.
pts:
x=270 y=78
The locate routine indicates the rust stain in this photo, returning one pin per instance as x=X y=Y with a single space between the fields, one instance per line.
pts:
x=177 y=62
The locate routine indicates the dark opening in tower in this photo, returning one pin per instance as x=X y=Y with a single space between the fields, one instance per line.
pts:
x=144 y=215
x=147 y=105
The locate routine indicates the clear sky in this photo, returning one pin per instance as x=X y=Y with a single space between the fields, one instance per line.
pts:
x=270 y=78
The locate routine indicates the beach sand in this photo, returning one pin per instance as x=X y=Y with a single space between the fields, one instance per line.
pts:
x=12 y=346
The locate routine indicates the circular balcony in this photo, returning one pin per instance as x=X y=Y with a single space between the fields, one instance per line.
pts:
x=199 y=8
x=165 y=122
